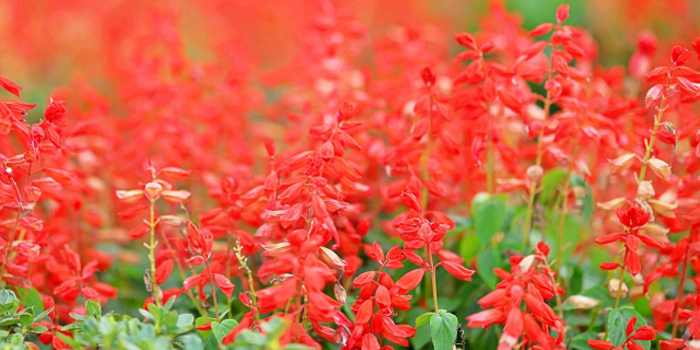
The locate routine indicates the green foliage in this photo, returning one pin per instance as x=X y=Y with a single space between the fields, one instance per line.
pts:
x=13 y=341
x=268 y=339
x=617 y=325
x=489 y=217
x=13 y=321
x=443 y=330
x=163 y=328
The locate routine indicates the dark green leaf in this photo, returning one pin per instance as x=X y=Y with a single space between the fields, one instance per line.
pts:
x=489 y=218
x=488 y=260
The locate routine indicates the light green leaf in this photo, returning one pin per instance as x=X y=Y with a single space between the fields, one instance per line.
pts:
x=424 y=318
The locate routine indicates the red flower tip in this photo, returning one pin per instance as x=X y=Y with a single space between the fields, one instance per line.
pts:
x=635 y=216
x=679 y=55
x=562 y=13
x=428 y=77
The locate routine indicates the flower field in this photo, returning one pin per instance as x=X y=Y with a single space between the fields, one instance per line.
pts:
x=349 y=175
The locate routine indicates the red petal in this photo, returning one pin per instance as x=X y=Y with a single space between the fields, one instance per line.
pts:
x=410 y=280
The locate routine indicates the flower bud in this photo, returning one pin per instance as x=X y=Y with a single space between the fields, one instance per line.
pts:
x=656 y=231
x=582 y=302
x=693 y=344
x=662 y=207
x=129 y=196
x=153 y=190
x=332 y=259
x=614 y=287
x=612 y=204
x=276 y=249
x=622 y=162
x=527 y=262
x=637 y=291
x=534 y=173
x=172 y=220
x=340 y=293
x=660 y=168
x=178 y=196
x=645 y=190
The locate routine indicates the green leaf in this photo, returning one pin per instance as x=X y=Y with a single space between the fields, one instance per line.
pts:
x=9 y=303
x=627 y=313
x=93 y=308
x=469 y=247
x=443 y=330
x=190 y=341
x=550 y=181
x=489 y=218
x=424 y=318
x=422 y=337
x=571 y=235
x=488 y=260
x=201 y=321
x=32 y=298
x=42 y=314
x=616 y=327
x=642 y=306
x=220 y=330
x=580 y=341
x=185 y=320
x=576 y=280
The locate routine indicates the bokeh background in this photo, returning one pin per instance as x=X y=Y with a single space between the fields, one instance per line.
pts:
x=46 y=44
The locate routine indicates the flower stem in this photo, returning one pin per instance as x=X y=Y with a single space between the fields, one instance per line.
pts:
x=650 y=146
x=244 y=265
x=434 y=280
x=213 y=290
x=622 y=277
x=679 y=299
x=8 y=248
x=152 y=253
x=619 y=286
x=180 y=268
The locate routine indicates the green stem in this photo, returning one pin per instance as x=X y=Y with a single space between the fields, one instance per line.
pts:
x=434 y=280
x=180 y=269
x=243 y=262
x=152 y=253
x=562 y=221
x=213 y=290
x=619 y=286
x=657 y=122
